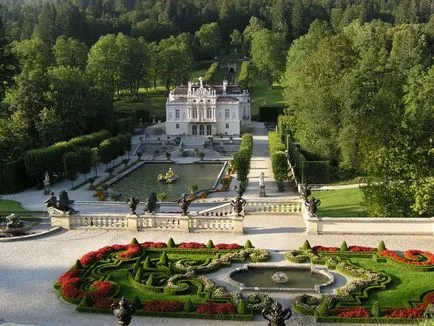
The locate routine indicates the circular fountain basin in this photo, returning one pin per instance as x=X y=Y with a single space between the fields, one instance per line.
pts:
x=13 y=232
x=301 y=278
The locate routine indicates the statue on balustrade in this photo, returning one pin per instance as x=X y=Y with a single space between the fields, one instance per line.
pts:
x=184 y=203
x=151 y=203
x=132 y=204
x=63 y=205
x=262 y=185
x=305 y=191
x=275 y=315
x=312 y=205
x=238 y=203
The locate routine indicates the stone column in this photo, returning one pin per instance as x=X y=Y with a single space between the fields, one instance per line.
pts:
x=60 y=221
x=132 y=222
x=183 y=223
x=238 y=224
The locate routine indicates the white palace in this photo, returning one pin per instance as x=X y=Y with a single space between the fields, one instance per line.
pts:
x=207 y=110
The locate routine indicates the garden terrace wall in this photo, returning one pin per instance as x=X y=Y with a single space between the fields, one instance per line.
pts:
x=369 y=225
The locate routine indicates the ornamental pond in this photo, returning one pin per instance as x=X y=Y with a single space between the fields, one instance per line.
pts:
x=143 y=181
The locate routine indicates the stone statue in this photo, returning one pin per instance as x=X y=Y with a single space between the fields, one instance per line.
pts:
x=13 y=221
x=312 y=205
x=52 y=201
x=305 y=191
x=64 y=203
x=238 y=203
x=261 y=185
x=151 y=203
x=47 y=187
x=132 y=204
x=184 y=203
x=275 y=315
x=123 y=311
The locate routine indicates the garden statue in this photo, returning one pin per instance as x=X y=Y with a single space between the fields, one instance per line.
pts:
x=47 y=188
x=132 y=204
x=261 y=185
x=11 y=225
x=238 y=203
x=64 y=204
x=312 y=205
x=429 y=311
x=305 y=191
x=168 y=177
x=183 y=202
x=123 y=311
x=13 y=221
x=275 y=315
x=151 y=203
x=52 y=201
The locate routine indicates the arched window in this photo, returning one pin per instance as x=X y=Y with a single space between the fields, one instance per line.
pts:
x=208 y=113
x=194 y=129
x=201 y=130
x=208 y=129
x=194 y=113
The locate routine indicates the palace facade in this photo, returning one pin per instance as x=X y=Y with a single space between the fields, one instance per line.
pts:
x=207 y=110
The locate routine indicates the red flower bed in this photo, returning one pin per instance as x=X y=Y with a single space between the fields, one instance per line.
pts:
x=216 y=308
x=326 y=249
x=352 y=312
x=361 y=249
x=71 y=290
x=71 y=276
x=163 y=305
x=102 y=288
x=191 y=245
x=411 y=257
x=92 y=256
x=133 y=250
x=150 y=244
x=228 y=246
x=428 y=298
x=103 y=303
x=403 y=313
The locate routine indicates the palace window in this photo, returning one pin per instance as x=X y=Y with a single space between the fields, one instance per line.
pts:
x=177 y=114
x=227 y=113
x=208 y=129
x=227 y=126
x=201 y=129
x=194 y=113
x=194 y=130
x=177 y=126
x=208 y=113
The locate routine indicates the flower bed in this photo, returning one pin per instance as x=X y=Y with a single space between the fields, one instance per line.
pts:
x=356 y=312
x=411 y=257
x=155 y=267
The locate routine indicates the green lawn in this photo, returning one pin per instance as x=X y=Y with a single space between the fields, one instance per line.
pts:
x=261 y=94
x=10 y=206
x=407 y=284
x=340 y=203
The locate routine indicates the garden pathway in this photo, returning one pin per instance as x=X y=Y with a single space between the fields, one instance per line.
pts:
x=261 y=162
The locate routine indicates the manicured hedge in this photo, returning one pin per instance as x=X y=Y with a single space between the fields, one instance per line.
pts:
x=211 y=72
x=305 y=170
x=370 y=320
x=244 y=76
x=242 y=158
x=284 y=126
x=91 y=140
x=13 y=177
x=279 y=159
x=270 y=112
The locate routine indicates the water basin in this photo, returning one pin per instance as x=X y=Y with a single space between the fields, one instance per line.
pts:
x=300 y=278
x=142 y=181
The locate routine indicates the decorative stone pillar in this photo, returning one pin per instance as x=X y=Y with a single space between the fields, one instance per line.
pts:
x=60 y=221
x=184 y=223
x=132 y=224
x=238 y=224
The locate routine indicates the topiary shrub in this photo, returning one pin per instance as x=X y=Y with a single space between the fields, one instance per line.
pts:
x=323 y=308
x=241 y=308
x=306 y=245
x=134 y=241
x=147 y=262
x=86 y=301
x=139 y=275
x=171 y=243
x=77 y=264
x=163 y=259
x=210 y=244
x=376 y=310
x=188 y=306
x=381 y=246
x=150 y=281
x=248 y=244
x=344 y=246
x=136 y=267
x=137 y=302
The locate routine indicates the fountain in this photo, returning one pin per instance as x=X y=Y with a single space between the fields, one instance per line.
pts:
x=271 y=277
x=12 y=226
x=169 y=177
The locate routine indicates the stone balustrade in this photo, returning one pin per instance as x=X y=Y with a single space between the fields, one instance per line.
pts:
x=273 y=207
x=221 y=210
x=159 y=221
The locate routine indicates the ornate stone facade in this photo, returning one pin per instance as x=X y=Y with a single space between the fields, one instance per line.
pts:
x=206 y=110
